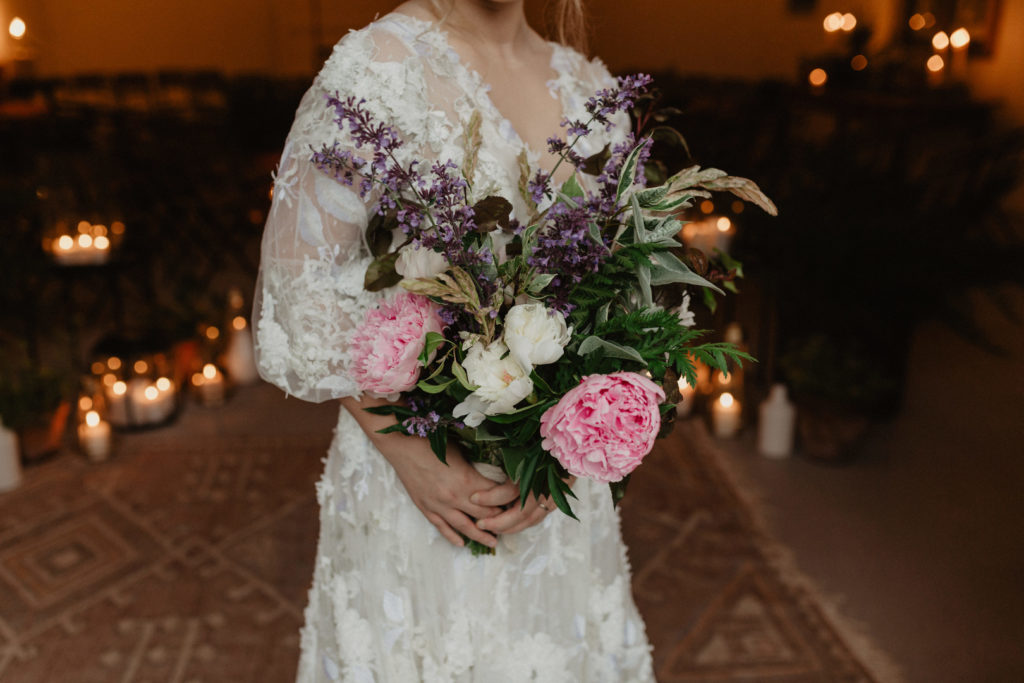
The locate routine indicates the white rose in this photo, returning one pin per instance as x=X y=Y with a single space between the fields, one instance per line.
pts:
x=414 y=262
x=535 y=335
x=501 y=383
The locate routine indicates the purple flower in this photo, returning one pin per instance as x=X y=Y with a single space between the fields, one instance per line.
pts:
x=610 y=101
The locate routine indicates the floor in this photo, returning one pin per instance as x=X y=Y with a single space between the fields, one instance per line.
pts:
x=922 y=535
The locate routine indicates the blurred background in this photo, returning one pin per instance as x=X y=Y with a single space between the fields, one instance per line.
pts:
x=137 y=144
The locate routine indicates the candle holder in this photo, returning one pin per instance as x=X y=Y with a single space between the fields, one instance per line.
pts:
x=83 y=243
x=135 y=384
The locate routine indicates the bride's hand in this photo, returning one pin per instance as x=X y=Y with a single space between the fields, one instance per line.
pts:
x=441 y=492
x=517 y=517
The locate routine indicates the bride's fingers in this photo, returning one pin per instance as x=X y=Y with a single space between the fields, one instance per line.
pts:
x=536 y=517
x=499 y=495
x=465 y=525
x=446 y=531
x=510 y=518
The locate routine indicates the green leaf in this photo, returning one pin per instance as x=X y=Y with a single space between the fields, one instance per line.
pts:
x=430 y=344
x=439 y=444
x=571 y=187
x=651 y=197
x=460 y=374
x=513 y=458
x=555 y=486
x=397 y=427
x=491 y=212
x=400 y=411
x=594 y=164
x=539 y=382
x=628 y=174
x=602 y=313
x=529 y=469
x=643 y=281
x=434 y=388
x=639 y=228
x=539 y=282
x=609 y=349
x=668 y=269
x=381 y=273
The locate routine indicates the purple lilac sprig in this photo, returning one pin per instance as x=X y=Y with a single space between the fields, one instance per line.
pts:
x=601 y=107
x=565 y=248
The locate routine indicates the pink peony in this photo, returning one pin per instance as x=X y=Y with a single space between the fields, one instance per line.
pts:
x=385 y=347
x=604 y=427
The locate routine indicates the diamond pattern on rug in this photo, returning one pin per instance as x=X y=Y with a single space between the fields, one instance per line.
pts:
x=76 y=553
x=187 y=558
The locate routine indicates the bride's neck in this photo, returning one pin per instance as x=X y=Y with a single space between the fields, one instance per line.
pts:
x=499 y=24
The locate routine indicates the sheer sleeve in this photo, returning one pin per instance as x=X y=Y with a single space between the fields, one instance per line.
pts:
x=309 y=292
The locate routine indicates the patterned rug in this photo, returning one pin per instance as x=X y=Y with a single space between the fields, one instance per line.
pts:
x=186 y=559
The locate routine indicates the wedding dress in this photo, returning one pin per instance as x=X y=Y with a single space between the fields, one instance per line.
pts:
x=392 y=600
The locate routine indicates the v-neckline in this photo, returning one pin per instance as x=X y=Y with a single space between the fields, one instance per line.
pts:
x=482 y=88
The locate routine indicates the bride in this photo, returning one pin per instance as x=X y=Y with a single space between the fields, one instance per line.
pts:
x=395 y=597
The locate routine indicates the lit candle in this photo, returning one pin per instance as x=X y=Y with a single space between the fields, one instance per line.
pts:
x=725 y=416
x=210 y=383
x=936 y=70
x=94 y=437
x=239 y=360
x=685 y=405
x=714 y=232
x=10 y=460
x=959 y=40
x=117 y=401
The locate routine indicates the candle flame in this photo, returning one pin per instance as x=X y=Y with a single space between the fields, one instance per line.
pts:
x=849 y=22
x=723 y=224
x=917 y=22
x=85 y=241
x=209 y=371
x=834 y=22
x=101 y=242
x=163 y=384
x=726 y=400
x=114 y=363
x=17 y=28
x=239 y=322
x=151 y=392
x=65 y=242
x=212 y=333
x=936 y=63
x=818 y=77
x=85 y=403
x=84 y=227
x=141 y=367
x=960 y=38
x=92 y=418
x=197 y=379
x=940 y=41
x=119 y=388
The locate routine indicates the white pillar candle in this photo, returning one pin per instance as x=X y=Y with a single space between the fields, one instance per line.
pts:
x=725 y=416
x=94 y=437
x=10 y=461
x=117 y=403
x=685 y=405
x=210 y=383
x=775 y=425
x=239 y=359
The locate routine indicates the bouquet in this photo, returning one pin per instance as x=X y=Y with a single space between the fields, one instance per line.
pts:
x=539 y=345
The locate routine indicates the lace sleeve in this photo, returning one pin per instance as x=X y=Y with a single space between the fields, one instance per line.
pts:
x=309 y=292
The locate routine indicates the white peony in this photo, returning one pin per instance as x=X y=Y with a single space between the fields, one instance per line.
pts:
x=535 y=335
x=501 y=383
x=414 y=262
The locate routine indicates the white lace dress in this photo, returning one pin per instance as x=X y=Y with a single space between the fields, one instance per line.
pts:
x=393 y=601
